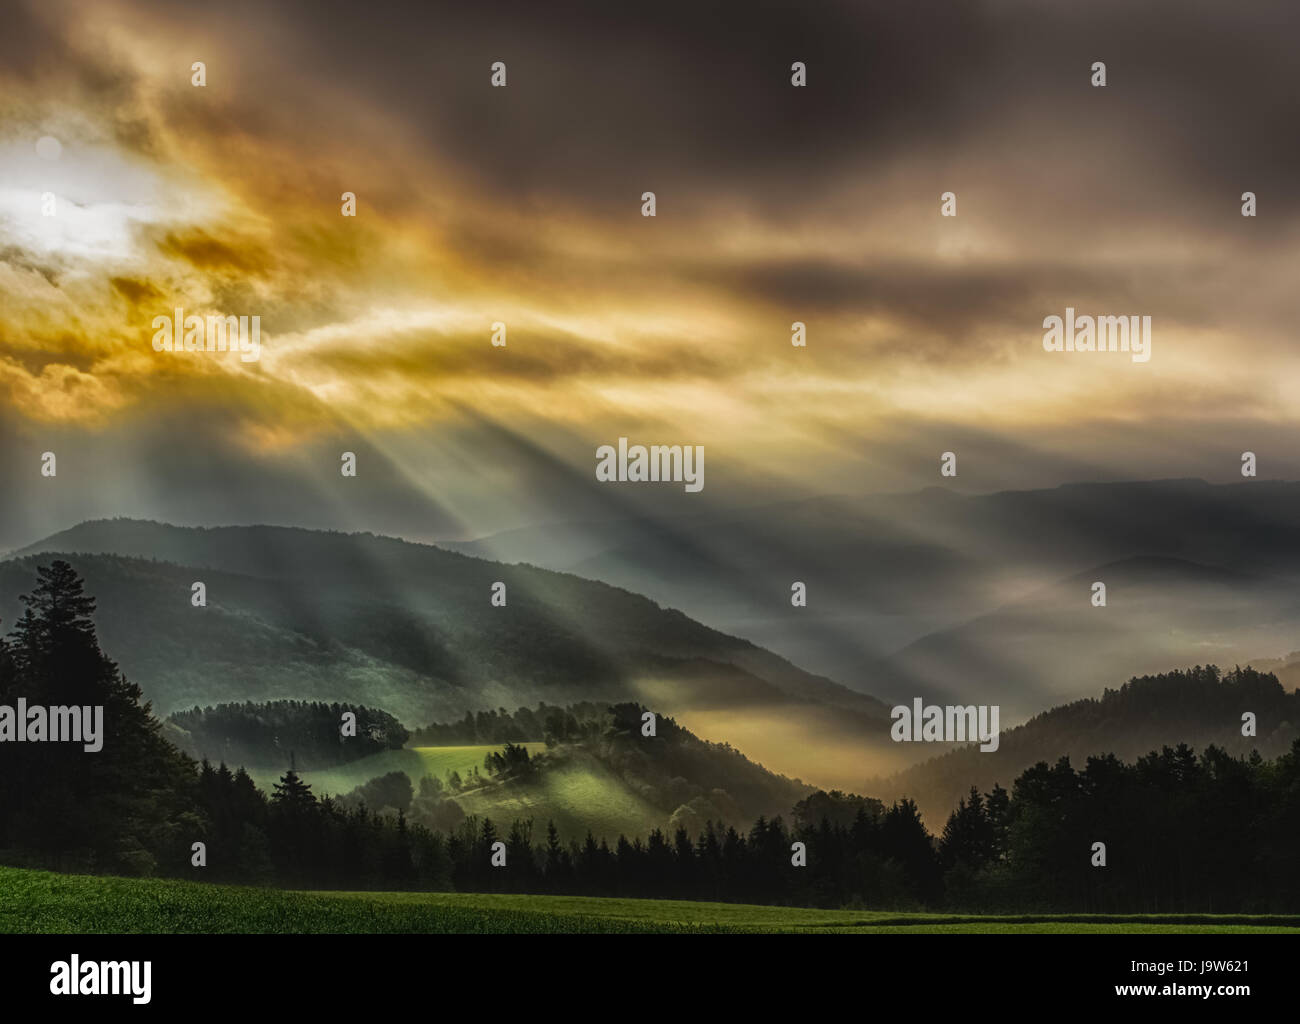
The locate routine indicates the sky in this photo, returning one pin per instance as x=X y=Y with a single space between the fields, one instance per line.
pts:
x=523 y=205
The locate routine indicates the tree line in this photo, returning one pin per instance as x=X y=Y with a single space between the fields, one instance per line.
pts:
x=267 y=732
x=545 y=723
x=1200 y=706
x=1180 y=833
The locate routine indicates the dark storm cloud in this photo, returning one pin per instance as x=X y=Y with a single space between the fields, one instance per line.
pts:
x=813 y=202
x=981 y=305
x=694 y=102
x=21 y=259
x=200 y=249
x=536 y=356
x=30 y=46
x=134 y=291
x=695 y=98
x=604 y=96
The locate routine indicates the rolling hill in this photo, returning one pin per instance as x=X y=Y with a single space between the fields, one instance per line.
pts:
x=1198 y=707
x=343 y=609
x=410 y=629
x=609 y=781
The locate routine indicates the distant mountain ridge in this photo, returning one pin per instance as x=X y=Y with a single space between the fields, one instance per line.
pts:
x=1055 y=644
x=302 y=614
x=982 y=597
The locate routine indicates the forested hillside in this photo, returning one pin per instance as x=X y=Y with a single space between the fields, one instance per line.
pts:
x=1172 y=831
x=310 y=733
x=410 y=628
x=1199 y=706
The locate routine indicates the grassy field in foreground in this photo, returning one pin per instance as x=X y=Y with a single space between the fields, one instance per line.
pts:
x=42 y=901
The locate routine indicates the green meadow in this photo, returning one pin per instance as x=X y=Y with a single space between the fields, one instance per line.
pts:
x=416 y=762
x=579 y=795
x=46 y=902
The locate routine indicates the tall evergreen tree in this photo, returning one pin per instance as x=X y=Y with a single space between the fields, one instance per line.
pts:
x=122 y=808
